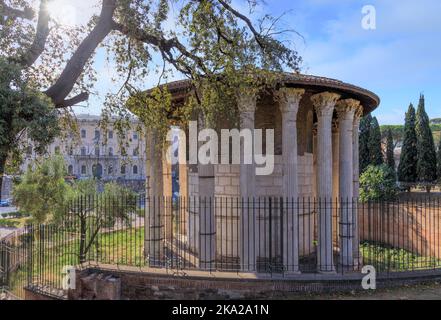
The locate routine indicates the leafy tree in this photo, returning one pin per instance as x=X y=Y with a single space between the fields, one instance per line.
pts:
x=390 y=157
x=91 y=211
x=55 y=62
x=43 y=191
x=375 y=151
x=377 y=183
x=365 y=125
x=85 y=187
x=24 y=112
x=426 y=165
x=122 y=202
x=407 y=169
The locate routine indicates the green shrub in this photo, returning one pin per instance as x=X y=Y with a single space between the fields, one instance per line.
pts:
x=8 y=223
x=140 y=213
x=378 y=183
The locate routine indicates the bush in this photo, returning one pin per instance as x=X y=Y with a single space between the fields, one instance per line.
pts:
x=8 y=223
x=378 y=183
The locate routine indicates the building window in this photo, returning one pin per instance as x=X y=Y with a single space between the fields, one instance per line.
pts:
x=110 y=170
x=110 y=151
x=123 y=169
x=110 y=134
x=135 y=169
x=83 y=151
x=70 y=151
x=83 y=170
x=57 y=149
x=136 y=152
x=70 y=170
x=97 y=151
x=83 y=133
x=97 y=170
x=135 y=136
x=29 y=151
x=97 y=134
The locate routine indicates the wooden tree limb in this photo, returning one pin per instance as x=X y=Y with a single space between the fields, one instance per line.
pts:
x=164 y=45
x=37 y=47
x=245 y=19
x=74 y=67
x=83 y=96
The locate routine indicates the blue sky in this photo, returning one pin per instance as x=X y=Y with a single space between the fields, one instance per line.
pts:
x=397 y=61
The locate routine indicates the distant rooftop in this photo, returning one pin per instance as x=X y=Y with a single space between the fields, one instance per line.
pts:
x=94 y=117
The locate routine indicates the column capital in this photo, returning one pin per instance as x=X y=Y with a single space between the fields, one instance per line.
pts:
x=246 y=100
x=358 y=113
x=289 y=99
x=347 y=107
x=324 y=103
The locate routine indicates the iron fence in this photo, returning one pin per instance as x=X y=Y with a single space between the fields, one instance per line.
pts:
x=267 y=235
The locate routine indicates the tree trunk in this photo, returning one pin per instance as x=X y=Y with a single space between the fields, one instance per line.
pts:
x=2 y=171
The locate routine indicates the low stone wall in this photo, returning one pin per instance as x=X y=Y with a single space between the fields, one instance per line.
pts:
x=157 y=284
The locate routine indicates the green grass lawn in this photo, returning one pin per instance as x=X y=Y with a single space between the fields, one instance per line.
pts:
x=395 y=259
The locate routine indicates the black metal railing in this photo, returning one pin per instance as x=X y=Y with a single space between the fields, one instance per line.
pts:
x=265 y=235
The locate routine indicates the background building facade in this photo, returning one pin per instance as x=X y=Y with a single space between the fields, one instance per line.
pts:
x=94 y=152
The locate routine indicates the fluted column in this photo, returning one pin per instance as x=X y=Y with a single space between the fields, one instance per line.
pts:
x=335 y=160
x=154 y=201
x=247 y=107
x=346 y=111
x=324 y=106
x=356 y=186
x=289 y=100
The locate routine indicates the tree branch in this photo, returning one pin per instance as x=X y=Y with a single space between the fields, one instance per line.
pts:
x=164 y=45
x=83 y=96
x=37 y=47
x=74 y=67
x=247 y=21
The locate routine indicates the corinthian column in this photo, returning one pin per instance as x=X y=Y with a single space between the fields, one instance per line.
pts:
x=154 y=200
x=324 y=106
x=289 y=100
x=346 y=111
x=247 y=107
x=356 y=156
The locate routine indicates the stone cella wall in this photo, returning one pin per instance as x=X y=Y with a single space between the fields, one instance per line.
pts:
x=227 y=208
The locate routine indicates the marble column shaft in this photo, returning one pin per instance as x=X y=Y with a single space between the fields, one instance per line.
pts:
x=247 y=107
x=289 y=100
x=154 y=201
x=346 y=110
x=324 y=105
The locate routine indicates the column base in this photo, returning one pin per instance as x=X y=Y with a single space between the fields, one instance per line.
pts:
x=330 y=272
x=292 y=273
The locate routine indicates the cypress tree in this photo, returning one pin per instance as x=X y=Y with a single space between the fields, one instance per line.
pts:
x=426 y=164
x=407 y=169
x=390 y=159
x=438 y=171
x=375 y=152
x=365 y=125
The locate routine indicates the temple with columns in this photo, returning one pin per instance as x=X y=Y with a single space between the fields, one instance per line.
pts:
x=316 y=125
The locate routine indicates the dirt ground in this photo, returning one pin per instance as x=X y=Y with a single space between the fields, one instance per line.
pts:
x=430 y=291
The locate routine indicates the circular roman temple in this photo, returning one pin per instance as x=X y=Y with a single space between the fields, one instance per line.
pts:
x=279 y=211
